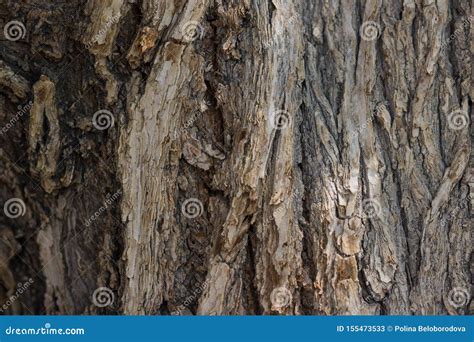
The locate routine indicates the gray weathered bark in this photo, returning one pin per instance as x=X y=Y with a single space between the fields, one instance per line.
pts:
x=303 y=157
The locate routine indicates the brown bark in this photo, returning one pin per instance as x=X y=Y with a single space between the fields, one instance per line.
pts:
x=236 y=157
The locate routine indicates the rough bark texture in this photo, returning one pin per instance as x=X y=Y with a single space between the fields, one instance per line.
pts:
x=306 y=157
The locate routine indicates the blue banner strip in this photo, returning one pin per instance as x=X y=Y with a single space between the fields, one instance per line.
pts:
x=237 y=328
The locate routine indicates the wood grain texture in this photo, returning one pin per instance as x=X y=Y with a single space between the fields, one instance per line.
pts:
x=233 y=157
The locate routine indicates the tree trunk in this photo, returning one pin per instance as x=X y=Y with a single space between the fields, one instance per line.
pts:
x=236 y=157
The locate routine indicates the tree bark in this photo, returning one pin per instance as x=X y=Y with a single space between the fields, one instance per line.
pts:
x=236 y=157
